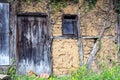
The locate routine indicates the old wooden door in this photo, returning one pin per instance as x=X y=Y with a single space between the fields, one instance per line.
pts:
x=4 y=33
x=33 y=44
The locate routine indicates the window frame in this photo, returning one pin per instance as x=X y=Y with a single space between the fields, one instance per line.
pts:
x=74 y=19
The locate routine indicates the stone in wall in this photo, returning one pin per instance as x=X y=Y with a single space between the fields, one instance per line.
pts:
x=57 y=27
x=87 y=48
x=108 y=51
x=71 y=9
x=93 y=21
x=65 y=56
x=33 y=7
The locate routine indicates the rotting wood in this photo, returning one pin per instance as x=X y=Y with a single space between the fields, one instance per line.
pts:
x=96 y=46
x=34 y=44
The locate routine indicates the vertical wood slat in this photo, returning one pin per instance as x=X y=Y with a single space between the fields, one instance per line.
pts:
x=35 y=47
x=12 y=32
x=4 y=33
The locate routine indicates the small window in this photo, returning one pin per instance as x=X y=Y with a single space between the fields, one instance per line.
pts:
x=69 y=25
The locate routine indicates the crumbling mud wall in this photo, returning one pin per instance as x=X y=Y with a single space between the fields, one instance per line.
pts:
x=65 y=52
x=65 y=56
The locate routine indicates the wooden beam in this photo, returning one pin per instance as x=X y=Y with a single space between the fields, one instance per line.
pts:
x=80 y=40
x=50 y=38
x=32 y=14
x=90 y=37
x=13 y=23
x=64 y=37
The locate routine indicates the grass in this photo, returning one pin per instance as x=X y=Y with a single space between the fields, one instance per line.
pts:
x=82 y=74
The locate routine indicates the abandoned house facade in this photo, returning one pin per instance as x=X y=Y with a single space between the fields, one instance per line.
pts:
x=37 y=41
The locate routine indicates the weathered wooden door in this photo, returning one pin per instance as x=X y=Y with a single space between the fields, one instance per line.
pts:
x=33 y=44
x=4 y=33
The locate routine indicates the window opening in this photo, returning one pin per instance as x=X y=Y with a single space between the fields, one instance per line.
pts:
x=69 y=25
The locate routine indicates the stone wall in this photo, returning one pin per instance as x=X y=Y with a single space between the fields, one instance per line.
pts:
x=57 y=28
x=107 y=55
x=65 y=52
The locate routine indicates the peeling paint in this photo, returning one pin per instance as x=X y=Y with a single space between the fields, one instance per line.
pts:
x=4 y=34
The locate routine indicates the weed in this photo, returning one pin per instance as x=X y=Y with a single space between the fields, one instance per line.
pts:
x=82 y=74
